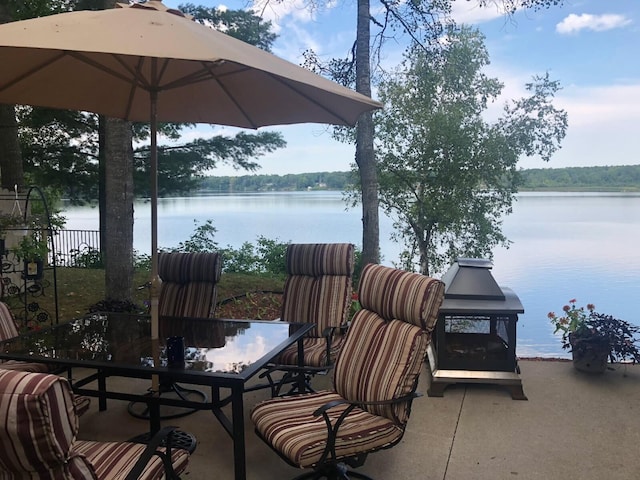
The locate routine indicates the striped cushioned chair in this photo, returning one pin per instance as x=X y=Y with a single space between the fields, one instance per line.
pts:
x=375 y=378
x=38 y=428
x=189 y=289
x=189 y=284
x=318 y=290
x=8 y=330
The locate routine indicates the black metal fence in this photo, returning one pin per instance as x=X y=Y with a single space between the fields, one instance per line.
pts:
x=77 y=248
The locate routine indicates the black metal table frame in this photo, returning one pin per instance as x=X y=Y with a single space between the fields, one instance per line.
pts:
x=216 y=380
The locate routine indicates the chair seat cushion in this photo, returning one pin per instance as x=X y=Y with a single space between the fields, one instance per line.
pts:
x=114 y=460
x=284 y=423
x=25 y=366
x=315 y=352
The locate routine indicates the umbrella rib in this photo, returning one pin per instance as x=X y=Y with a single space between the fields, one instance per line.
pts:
x=30 y=72
x=308 y=98
x=282 y=81
x=209 y=68
x=99 y=65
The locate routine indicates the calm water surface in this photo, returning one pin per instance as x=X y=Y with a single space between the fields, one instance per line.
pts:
x=565 y=245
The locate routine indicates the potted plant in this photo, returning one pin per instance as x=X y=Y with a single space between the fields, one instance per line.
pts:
x=32 y=250
x=8 y=222
x=595 y=338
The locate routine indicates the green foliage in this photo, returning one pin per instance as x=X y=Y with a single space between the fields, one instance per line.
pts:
x=610 y=178
x=339 y=181
x=88 y=257
x=60 y=150
x=202 y=240
x=32 y=246
x=9 y=221
x=266 y=257
x=582 y=331
x=181 y=167
x=240 y=24
x=447 y=176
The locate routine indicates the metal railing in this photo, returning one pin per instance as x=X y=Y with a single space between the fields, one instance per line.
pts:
x=77 y=248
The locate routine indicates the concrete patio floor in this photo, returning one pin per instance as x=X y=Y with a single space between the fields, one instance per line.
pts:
x=574 y=426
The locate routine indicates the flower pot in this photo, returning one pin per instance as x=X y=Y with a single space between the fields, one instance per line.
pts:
x=590 y=353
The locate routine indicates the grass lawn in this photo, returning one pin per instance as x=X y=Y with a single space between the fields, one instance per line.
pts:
x=79 y=288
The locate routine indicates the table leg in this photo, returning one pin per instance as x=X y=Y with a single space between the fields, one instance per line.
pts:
x=102 y=388
x=237 y=413
x=301 y=375
x=154 y=413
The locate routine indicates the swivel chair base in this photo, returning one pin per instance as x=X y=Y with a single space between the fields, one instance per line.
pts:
x=333 y=472
x=141 y=409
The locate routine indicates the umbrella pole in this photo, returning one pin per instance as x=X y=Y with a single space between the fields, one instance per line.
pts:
x=155 y=278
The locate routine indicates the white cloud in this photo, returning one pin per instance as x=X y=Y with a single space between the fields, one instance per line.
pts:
x=603 y=105
x=598 y=23
x=470 y=13
x=602 y=119
x=277 y=12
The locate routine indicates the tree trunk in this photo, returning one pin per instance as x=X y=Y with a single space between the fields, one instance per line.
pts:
x=102 y=200
x=11 y=169
x=365 y=157
x=118 y=216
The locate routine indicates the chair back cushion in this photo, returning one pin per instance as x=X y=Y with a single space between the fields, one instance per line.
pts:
x=396 y=294
x=318 y=286
x=189 y=283
x=8 y=327
x=38 y=425
x=386 y=344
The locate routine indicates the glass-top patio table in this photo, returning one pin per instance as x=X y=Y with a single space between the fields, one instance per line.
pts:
x=221 y=354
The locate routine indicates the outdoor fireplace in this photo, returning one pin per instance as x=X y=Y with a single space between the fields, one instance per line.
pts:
x=475 y=336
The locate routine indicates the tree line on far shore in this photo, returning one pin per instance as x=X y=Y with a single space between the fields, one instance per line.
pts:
x=609 y=178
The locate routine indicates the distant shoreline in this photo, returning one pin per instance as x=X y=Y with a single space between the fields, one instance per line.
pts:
x=624 y=178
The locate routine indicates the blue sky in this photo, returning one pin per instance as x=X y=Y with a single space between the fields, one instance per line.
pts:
x=590 y=46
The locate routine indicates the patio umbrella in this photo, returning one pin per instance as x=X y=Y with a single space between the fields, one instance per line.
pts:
x=148 y=63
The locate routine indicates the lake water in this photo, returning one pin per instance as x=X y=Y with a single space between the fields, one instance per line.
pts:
x=565 y=245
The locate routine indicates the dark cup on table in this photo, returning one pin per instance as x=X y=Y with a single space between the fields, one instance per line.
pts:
x=175 y=352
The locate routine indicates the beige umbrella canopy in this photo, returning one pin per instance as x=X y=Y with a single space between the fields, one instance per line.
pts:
x=109 y=62
x=149 y=63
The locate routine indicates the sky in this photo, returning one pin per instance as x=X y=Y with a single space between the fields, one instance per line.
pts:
x=590 y=46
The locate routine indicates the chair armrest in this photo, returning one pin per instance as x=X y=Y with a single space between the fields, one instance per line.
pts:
x=332 y=429
x=152 y=449
x=334 y=403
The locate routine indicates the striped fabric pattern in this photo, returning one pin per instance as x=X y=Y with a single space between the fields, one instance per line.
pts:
x=38 y=428
x=288 y=424
x=8 y=327
x=114 y=460
x=315 y=352
x=391 y=352
x=189 y=283
x=411 y=297
x=318 y=259
x=380 y=360
x=318 y=291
